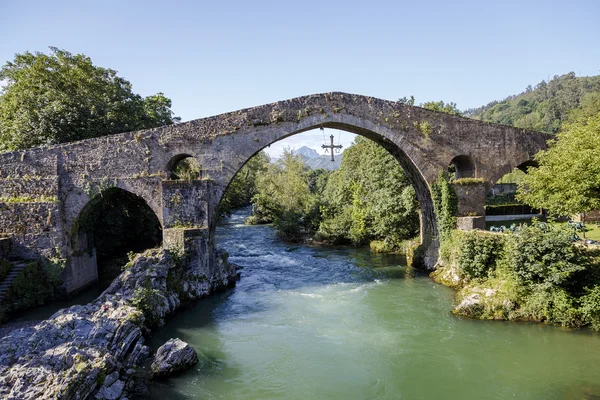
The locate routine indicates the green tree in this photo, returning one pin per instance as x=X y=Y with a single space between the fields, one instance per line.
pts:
x=547 y=106
x=284 y=197
x=448 y=108
x=567 y=181
x=368 y=198
x=243 y=187
x=61 y=97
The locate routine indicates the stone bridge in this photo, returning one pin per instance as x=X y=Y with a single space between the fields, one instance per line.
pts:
x=45 y=192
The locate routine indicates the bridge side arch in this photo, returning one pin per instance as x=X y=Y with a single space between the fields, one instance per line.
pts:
x=522 y=164
x=111 y=224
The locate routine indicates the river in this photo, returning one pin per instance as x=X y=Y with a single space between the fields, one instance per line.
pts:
x=341 y=323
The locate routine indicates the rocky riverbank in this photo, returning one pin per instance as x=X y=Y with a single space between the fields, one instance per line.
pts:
x=96 y=350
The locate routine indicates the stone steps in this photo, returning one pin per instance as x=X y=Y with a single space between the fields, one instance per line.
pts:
x=18 y=267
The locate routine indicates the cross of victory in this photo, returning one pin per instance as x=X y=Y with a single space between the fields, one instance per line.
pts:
x=332 y=147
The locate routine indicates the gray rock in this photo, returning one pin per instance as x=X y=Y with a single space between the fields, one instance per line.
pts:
x=173 y=356
x=66 y=355
x=112 y=392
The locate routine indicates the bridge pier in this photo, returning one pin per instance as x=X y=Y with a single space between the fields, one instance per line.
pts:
x=188 y=209
x=471 y=205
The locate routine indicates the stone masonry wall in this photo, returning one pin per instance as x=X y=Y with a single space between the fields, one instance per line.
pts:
x=471 y=199
x=29 y=208
x=32 y=228
x=187 y=203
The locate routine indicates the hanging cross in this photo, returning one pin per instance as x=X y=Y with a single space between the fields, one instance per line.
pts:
x=332 y=147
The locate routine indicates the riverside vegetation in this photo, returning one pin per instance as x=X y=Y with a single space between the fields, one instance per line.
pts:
x=537 y=272
x=367 y=200
x=532 y=274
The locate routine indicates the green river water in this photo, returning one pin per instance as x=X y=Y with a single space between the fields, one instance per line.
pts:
x=318 y=323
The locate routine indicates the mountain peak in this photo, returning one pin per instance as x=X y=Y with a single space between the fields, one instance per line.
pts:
x=306 y=152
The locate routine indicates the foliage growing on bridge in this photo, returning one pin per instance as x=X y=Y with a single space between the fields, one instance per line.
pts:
x=61 y=97
x=445 y=204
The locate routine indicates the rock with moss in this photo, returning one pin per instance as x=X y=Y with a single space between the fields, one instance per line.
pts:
x=495 y=301
x=449 y=275
x=173 y=356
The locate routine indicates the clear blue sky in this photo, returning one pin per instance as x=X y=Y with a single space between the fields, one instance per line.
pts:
x=211 y=57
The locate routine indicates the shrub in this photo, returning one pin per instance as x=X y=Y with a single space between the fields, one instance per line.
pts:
x=479 y=253
x=564 y=310
x=148 y=301
x=536 y=306
x=390 y=244
x=36 y=284
x=540 y=255
x=590 y=307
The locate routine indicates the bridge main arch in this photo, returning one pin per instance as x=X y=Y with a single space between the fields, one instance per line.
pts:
x=395 y=144
x=382 y=135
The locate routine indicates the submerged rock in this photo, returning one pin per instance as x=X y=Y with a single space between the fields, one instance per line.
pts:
x=173 y=356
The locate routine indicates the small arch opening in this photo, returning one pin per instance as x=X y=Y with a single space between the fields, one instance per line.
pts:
x=184 y=167
x=527 y=164
x=461 y=167
x=114 y=223
x=502 y=197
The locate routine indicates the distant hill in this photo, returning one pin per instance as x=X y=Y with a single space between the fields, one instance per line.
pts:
x=307 y=153
x=546 y=106
x=314 y=160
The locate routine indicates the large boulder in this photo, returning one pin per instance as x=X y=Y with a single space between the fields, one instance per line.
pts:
x=173 y=356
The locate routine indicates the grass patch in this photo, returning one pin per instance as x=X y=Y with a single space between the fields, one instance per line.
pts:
x=592 y=231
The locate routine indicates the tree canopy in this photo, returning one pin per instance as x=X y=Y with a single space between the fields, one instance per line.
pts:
x=568 y=178
x=547 y=106
x=61 y=97
x=441 y=106
x=368 y=199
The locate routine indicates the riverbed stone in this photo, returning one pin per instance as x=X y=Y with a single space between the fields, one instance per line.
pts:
x=173 y=356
